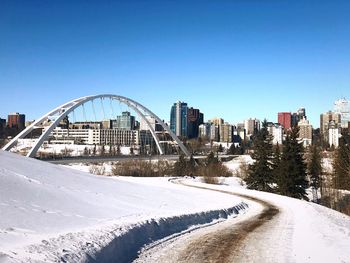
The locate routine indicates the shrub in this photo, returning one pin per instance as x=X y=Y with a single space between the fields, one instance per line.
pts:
x=139 y=168
x=212 y=171
x=96 y=169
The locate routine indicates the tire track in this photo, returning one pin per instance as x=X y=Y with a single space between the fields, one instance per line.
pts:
x=220 y=244
x=224 y=245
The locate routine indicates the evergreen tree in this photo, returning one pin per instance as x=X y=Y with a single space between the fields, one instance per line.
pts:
x=276 y=162
x=86 y=151
x=315 y=169
x=180 y=167
x=191 y=166
x=211 y=159
x=260 y=175
x=341 y=164
x=232 y=149
x=220 y=149
x=118 y=150
x=292 y=175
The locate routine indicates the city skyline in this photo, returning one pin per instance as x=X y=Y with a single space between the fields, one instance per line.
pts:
x=234 y=60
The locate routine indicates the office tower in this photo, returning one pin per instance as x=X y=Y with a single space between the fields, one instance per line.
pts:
x=16 y=120
x=240 y=131
x=217 y=121
x=204 y=130
x=144 y=125
x=301 y=113
x=2 y=126
x=341 y=107
x=276 y=130
x=251 y=126
x=125 y=121
x=178 y=119
x=226 y=132
x=298 y=116
x=214 y=133
x=305 y=132
x=285 y=119
x=333 y=134
x=325 y=119
x=195 y=118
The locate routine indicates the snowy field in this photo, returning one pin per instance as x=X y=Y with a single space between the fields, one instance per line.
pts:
x=54 y=213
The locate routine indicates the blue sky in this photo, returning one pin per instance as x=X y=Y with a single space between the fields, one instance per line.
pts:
x=233 y=59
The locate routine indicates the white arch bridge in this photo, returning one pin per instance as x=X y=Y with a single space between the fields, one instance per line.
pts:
x=55 y=116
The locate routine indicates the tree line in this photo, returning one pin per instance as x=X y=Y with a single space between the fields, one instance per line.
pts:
x=290 y=170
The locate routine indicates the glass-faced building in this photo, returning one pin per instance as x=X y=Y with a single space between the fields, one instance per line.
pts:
x=178 y=119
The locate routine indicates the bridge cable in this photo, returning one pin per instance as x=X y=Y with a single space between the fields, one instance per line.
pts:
x=93 y=110
x=111 y=106
x=73 y=113
x=103 y=109
x=84 y=112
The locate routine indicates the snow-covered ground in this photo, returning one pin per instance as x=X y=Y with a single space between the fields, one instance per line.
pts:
x=55 y=213
x=303 y=231
x=236 y=164
x=50 y=212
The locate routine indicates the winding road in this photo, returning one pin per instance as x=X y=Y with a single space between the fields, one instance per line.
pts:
x=261 y=235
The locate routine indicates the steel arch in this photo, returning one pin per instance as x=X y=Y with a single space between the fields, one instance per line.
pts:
x=62 y=111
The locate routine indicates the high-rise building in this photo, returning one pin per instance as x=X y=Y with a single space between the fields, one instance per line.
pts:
x=240 y=131
x=226 y=132
x=16 y=120
x=301 y=113
x=144 y=125
x=276 y=130
x=204 y=130
x=341 y=107
x=325 y=119
x=178 y=119
x=285 y=119
x=2 y=126
x=298 y=116
x=305 y=132
x=251 y=126
x=333 y=134
x=214 y=133
x=125 y=121
x=153 y=123
x=217 y=121
x=195 y=118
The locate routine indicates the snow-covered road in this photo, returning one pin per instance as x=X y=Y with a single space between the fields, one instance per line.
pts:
x=275 y=229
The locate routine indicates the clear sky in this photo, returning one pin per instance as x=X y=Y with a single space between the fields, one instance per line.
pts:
x=233 y=59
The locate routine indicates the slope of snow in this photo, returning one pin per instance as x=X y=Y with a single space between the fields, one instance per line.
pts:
x=50 y=212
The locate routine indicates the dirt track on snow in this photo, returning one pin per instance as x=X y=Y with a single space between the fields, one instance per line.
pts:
x=222 y=243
